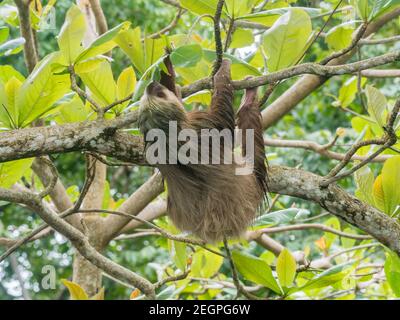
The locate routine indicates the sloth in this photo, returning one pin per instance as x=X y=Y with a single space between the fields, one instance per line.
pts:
x=210 y=201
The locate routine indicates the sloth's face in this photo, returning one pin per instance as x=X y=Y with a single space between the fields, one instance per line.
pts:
x=158 y=95
x=158 y=106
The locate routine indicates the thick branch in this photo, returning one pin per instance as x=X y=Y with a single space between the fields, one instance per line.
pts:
x=79 y=240
x=305 y=185
x=101 y=136
x=306 y=68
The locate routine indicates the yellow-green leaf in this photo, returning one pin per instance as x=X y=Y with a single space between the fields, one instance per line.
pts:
x=104 y=43
x=11 y=172
x=205 y=263
x=286 y=268
x=348 y=92
x=256 y=270
x=7 y=72
x=73 y=111
x=286 y=40
x=377 y=104
x=126 y=83
x=390 y=184
x=340 y=36
x=75 y=290
x=130 y=42
x=12 y=90
x=200 y=7
x=88 y=65
x=41 y=90
x=365 y=183
x=178 y=253
x=71 y=34
x=242 y=38
x=101 y=84
x=379 y=196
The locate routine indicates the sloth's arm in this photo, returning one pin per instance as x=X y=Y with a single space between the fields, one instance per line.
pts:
x=221 y=108
x=249 y=117
x=168 y=79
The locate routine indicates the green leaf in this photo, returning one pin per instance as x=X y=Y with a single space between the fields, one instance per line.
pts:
x=153 y=50
x=256 y=270
x=75 y=290
x=370 y=9
x=9 y=14
x=287 y=39
x=40 y=91
x=242 y=38
x=365 y=183
x=325 y=279
x=130 y=42
x=11 y=172
x=187 y=56
x=126 y=83
x=240 y=69
x=200 y=7
x=71 y=34
x=269 y=17
x=205 y=263
x=378 y=194
x=390 y=184
x=12 y=88
x=101 y=84
x=104 y=43
x=88 y=65
x=178 y=253
x=73 y=111
x=348 y=92
x=203 y=97
x=377 y=104
x=12 y=46
x=286 y=268
x=334 y=223
x=392 y=271
x=340 y=36
x=281 y=216
x=237 y=8
x=8 y=72
x=4 y=33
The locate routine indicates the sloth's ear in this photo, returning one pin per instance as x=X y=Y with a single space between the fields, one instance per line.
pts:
x=168 y=77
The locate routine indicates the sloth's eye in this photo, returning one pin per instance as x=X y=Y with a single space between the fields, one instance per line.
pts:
x=161 y=94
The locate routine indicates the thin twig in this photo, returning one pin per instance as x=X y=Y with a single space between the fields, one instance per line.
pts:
x=240 y=288
x=316 y=226
x=157 y=228
x=219 y=50
x=169 y=27
x=359 y=34
x=388 y=140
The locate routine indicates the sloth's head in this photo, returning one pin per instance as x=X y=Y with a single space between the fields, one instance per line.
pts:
x=158 y=107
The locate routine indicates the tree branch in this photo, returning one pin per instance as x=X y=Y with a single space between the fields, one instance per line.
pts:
x=30 y=53
x=79 y=241
x=320 y=149
x=305 y=68
x=308 y=84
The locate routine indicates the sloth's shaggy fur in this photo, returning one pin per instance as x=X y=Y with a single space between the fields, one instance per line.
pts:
x=210 y=201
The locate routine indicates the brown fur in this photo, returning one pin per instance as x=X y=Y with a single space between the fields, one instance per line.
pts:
x=209 y=201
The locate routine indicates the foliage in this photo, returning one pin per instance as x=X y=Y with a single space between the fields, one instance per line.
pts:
x=346 y=269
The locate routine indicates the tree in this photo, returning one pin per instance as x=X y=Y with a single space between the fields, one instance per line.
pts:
x=299 y=56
